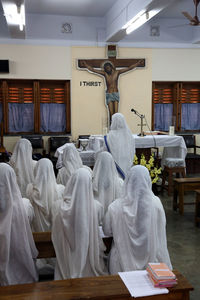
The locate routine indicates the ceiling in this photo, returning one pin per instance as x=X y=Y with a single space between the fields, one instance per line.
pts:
x=98 y=22
x=86 y=8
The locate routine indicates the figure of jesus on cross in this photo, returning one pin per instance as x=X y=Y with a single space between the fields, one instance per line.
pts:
x=111 y=69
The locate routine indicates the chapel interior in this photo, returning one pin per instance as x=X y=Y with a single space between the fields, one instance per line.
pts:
x=48 y=97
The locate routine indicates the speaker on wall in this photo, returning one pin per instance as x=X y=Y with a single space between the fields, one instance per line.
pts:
x=4 y=66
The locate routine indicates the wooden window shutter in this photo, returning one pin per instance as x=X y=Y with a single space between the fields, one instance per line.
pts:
x=34 y=92
x=52 y=92
x=163 y=92
x=58 y=92
x=190 y=92
x=20 y=92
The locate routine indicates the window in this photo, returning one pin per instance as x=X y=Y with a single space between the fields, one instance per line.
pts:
x=1 y=104
x=189 y=106
x=177 y=104
x=39 y=106
x=20 y=106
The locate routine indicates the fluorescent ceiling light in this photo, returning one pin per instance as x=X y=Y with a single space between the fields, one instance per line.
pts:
x=15 y=15
x=140 y=21
x=134 y=19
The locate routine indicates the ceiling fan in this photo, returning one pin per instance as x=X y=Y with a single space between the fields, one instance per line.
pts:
x=194 y=21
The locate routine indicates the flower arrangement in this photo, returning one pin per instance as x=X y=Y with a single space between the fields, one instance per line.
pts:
x=149 y=164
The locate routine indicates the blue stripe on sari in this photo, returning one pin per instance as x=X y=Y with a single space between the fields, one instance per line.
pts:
x=117 y=166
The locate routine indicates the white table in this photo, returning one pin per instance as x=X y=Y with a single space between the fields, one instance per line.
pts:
x=174 y=146
x=88 y=157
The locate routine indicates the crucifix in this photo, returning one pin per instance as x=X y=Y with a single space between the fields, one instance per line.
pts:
x=110 y=69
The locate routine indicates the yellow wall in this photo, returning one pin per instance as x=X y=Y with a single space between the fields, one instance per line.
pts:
x=10 y=141
x=37 y=62
x=88 y=110
x=175 y=64
x=88 y=102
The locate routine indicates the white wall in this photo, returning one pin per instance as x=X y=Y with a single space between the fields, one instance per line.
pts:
x=175 y=64
x=49 y=27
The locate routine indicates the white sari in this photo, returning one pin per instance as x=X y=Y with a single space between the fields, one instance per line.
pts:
x=23 y=164
x=71 y=161
x=121 y=143
x=43 y=193
x=138 y=225
x=75 y=234
x=17 y=247
x=107 y=185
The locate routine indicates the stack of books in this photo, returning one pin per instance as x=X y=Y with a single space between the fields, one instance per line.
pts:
x=161 y=275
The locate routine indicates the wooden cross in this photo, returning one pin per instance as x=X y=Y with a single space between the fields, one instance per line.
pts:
x=118 y=62
x=111 y=68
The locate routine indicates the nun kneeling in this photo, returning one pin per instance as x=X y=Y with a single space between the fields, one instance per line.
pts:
x=75 y=233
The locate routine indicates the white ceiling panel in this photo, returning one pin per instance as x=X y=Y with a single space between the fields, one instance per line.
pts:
x=46 y=20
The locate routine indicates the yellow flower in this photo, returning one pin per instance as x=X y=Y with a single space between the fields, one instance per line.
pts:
x=148 y=166
x=135 y=161
x=153 y=171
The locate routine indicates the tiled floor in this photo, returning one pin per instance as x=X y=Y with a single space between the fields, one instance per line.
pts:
x=184 y=241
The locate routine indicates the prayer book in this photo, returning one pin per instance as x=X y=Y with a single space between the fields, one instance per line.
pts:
x=162 y=283
x=160 y=271
x=160 y=275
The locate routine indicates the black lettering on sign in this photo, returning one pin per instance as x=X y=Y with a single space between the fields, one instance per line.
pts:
x=90 y=83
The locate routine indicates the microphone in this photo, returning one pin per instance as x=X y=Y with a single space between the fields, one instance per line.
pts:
x=133 y=110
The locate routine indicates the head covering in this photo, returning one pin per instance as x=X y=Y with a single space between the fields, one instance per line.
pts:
x=59 y=154
x=107 y=185
x=43 y=192
x=121 y=143
x=71 y=162
x=138 y=223
x=78 y=246
x=22 y=163
x=17 y=248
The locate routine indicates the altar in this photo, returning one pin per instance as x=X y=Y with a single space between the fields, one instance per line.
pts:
x=174 y=146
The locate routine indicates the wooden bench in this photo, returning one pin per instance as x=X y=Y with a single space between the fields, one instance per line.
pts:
x=168 y=174
x=45 y=246
x=182 y=185
x=96 y=288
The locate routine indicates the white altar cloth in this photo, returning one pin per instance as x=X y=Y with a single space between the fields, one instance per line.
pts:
x=174 y=146
x=88 y=157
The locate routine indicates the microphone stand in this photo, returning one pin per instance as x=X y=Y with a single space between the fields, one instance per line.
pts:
x=141 y=123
